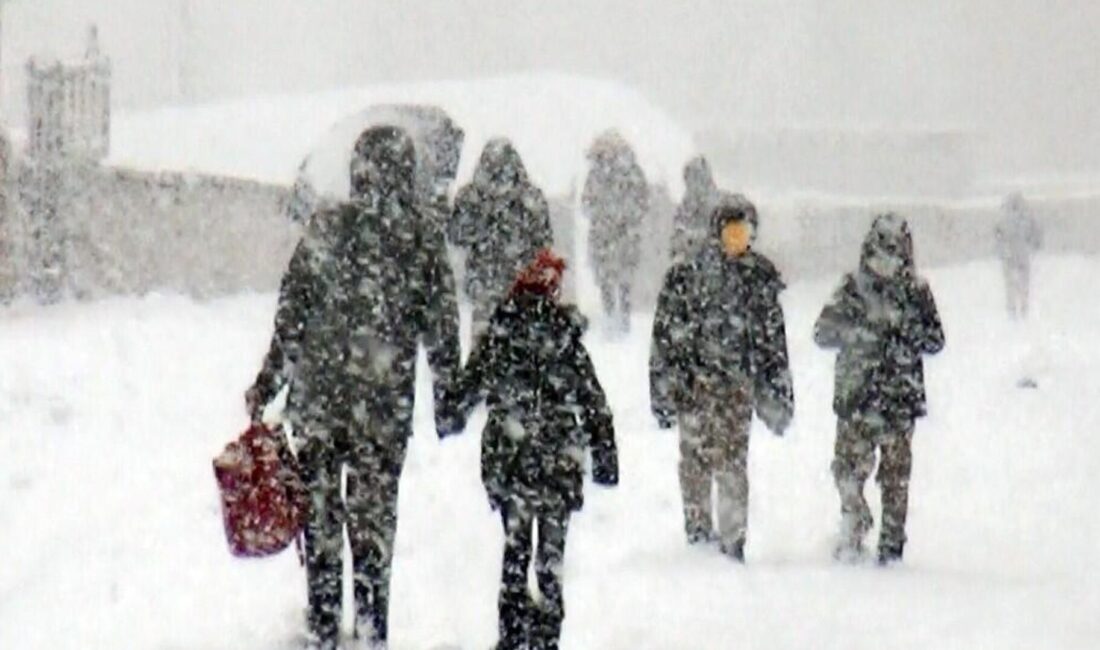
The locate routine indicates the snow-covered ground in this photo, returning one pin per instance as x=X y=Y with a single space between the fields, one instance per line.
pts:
x=111 y=412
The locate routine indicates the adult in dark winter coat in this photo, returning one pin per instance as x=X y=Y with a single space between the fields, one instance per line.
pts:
x=882 y=320
x=719 y=352
x=367 y=284
x=616 y=201
x=691 y=223
x=500 y=219
x=546 y=410
x=1018 y=237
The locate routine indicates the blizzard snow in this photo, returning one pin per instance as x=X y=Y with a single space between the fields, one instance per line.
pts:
x=111 y=413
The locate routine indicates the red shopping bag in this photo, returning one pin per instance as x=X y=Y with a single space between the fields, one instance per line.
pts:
x=263 y=498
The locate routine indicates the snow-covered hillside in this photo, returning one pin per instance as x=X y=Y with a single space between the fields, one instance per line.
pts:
x=551 y=118
x=111 y=412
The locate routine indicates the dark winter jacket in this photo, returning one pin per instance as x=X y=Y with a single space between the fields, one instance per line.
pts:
x=546 y=407
x=719 y=323
x=691 y=223
x=616 y=201
x=501 y=219
x=882 y=326
x=368 y=282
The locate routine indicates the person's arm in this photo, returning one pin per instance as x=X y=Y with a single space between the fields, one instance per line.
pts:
x=834 y=326
x=595 y=416
x=543 y=233
x=773 y=387
x=462 y=226
x=929 y=329
x=669 y=334
x=296 y=298
x=440 y=333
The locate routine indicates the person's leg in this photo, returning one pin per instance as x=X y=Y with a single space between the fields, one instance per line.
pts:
x=695 y=479
x=373 y=479
x=853 y=461
x=514 y=604
x=549 y=566
x=324 y=543
x=625 y=305
x=893 y=476
x=1025 y=289
x=732 y=475
x=1010 y=289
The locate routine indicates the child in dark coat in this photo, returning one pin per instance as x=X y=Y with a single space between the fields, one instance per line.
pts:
x=546 y=412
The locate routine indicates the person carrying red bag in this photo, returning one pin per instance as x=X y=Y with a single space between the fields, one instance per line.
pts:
x=366 y=285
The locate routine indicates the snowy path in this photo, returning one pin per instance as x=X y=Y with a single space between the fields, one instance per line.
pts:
x=111 y=412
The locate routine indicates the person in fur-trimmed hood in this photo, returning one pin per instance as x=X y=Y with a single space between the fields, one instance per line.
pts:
x=719 y=353
x=547 y=411
x=882 y=320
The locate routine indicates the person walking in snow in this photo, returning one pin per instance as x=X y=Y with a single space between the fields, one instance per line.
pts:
x=368 y=282
x=500 y=220
x=1017 y=236
x=691 y=223
x=616 y=201
x=882 y=321
x=719 y=352
x=546 y=411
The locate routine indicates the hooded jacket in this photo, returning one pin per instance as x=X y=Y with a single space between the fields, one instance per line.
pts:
x=881 y=325
x=546 y=407
x=691 y=222
x=616 y=200
x=350 y=317
x=719 y=323
x=501 y=219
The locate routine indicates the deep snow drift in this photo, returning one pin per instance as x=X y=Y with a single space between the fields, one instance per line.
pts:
x=111 y=412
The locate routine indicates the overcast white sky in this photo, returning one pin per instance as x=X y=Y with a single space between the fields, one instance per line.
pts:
x=1026 y=74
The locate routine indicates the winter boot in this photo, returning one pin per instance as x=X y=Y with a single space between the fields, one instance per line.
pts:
x=701 y=536
x=734 y=550
x=890 y=553
x=853 y=528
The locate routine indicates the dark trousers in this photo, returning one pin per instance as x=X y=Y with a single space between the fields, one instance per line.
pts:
x=615 y=295
x=857 y=440
x=370 y=512
x=526 y=622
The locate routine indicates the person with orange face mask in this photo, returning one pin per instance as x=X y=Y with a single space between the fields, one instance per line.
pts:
x=719 y=354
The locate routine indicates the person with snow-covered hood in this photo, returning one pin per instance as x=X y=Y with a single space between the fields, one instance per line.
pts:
x=719 y=353
x=366 y=285
x=616 y=201
x=547 y=411
x=500 y=219
x=691 y=223
x=1018 y=237
x=882 y=321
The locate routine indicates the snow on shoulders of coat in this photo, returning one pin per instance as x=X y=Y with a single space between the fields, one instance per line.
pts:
x=267 y=138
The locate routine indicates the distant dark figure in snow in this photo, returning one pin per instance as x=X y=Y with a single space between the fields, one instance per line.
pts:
x=719 y=352
x=368 y=282
x=691 y=223
x=1018 y=236
x=546 y=411
x=500 y=219
x=882 y=320
x=616 y=202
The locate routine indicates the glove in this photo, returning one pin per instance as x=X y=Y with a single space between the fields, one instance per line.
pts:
x=776 y=416
x=666 y=419
x=254 y=403
x=448 y=422
x=605 y=467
